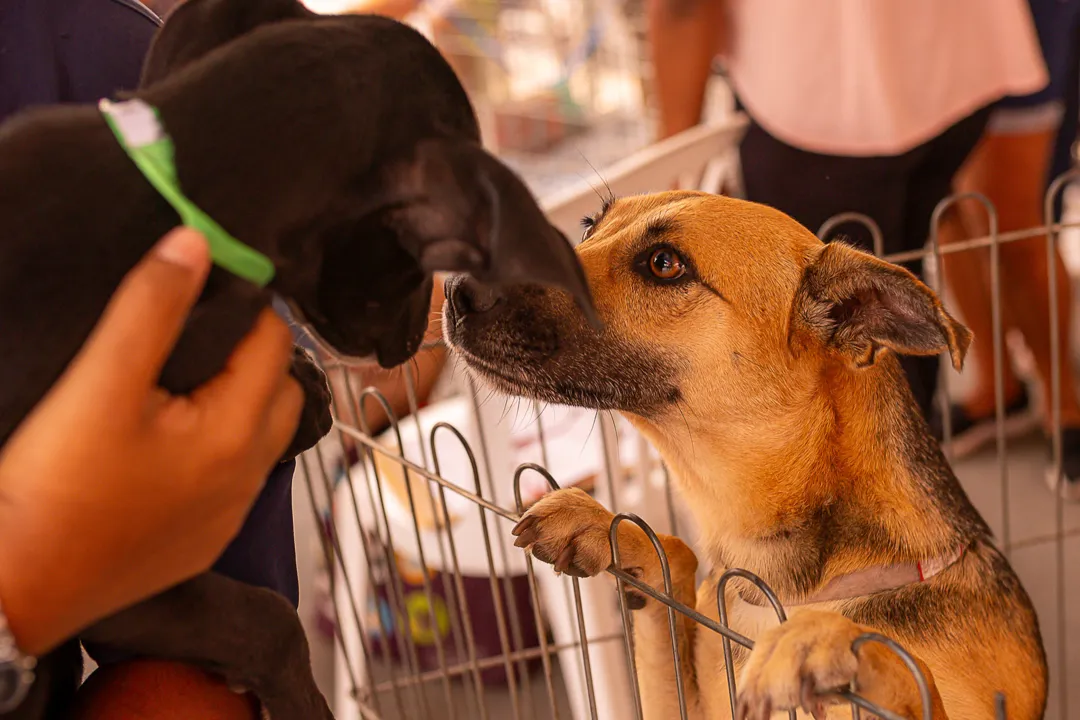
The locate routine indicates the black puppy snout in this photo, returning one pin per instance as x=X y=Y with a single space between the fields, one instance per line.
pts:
x=467 y=296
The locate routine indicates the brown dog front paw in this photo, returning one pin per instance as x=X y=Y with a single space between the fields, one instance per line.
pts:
x=567 y=529
x=798 y=665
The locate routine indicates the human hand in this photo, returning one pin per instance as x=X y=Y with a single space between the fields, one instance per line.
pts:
x=112 y=490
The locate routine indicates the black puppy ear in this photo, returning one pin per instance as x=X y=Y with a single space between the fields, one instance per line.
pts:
x=196 y=27
x=857 y=305
x=462 y=210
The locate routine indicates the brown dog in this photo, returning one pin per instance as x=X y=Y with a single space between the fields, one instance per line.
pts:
x=762 y=364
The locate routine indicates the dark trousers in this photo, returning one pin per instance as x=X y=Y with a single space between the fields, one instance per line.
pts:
x=899 y=192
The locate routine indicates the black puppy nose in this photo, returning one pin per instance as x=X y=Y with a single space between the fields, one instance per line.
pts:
x=469 y=296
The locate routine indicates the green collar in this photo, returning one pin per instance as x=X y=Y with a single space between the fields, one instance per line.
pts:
x=138 y=129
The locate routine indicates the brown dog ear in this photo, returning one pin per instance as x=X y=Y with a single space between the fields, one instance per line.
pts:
x=461 y=210
x=857 y=305
x=196 y=27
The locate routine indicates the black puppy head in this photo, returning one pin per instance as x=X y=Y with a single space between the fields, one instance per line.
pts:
x=448 y=206
x=385 y=188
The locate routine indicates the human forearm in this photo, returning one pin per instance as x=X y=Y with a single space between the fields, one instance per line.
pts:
x=40 y=592
x=685 y=36
x=52 y=585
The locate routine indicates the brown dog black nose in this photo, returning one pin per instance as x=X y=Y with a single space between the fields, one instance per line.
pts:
x=467 y=296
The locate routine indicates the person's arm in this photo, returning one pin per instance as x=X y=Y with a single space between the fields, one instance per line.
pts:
x=685 y=36
x=111 y=490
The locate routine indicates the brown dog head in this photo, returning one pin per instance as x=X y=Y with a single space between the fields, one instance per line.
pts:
x=714 y=311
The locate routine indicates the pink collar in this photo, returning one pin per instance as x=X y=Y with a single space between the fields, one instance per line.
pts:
x=880 y=579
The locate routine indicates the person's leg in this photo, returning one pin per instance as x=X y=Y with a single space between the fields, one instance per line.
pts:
x=967 y=275
x=1026 y=146
x=1010 y=170
x=1017 y=159
x=812 y=188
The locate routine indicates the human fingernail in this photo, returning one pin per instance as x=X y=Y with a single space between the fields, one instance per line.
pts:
x=184 y=247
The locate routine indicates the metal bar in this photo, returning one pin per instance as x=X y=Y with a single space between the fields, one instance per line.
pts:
x=983 y=242
x=628 y=643
x=665 y=570
x=406 y=643
x=1043 y=539
x=939 y=264
x=721 y=606
x=580 y=612
x=584 y=638
x=451 y=589
x=628 y=629
x=673 y=519
x=500 y=618
x=506 y=577
x=414 y=410
x=466 y=619
x=609 y=442
x=909 y=661
x=373 y=446
x=997 y=341
x=877 y=241
x=497 y=660
x=1055 y=188
x=425 y=580
x=384 y=627
x=534 y=589
x=330 y=554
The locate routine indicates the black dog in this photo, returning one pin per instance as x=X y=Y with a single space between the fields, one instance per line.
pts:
x=345 y=150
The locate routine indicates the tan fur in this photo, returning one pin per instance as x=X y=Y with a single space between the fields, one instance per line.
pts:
x=784 y=407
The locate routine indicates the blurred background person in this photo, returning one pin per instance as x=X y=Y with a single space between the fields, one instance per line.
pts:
x=1028 y=143
x=865 y=107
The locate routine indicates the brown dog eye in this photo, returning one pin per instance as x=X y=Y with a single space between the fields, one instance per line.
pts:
x=666 y=264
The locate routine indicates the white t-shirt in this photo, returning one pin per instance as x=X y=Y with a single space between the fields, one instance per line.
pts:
x=877 y=77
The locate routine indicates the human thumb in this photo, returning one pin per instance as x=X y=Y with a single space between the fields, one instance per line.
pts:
x=147 y=313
